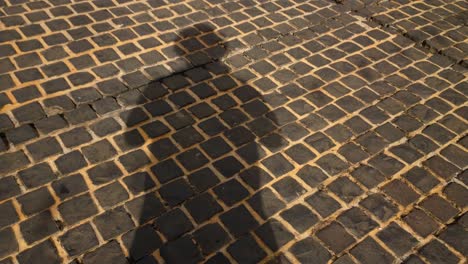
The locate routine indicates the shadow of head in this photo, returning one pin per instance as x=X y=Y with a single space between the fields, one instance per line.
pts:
x=201 y=44
x=194 y=46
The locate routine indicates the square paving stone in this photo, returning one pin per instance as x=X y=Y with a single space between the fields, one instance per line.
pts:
x=176 y=192
x=9 y=214
x=203 y=179
x=187 y=137
x=274 y=234
x=435 y=251
x=113 y=222
x=202 y=207
x=8 y=187
x=145 y=208
x=38 y=227
x=455 y=236
x=141 y=242
x=265 y=203
x=9 y=243
x=12 y=161
x=238 y=221
x=246 y=250
x=166 y=170
x=439 y=207
x=277 y=164
x=345 y=189
x=173 y=224
x=193 y=159
x=300 y=217
x=70 y=162
x=111 y=195
x=300 y=154
x=379 y=206
x=332 y=164
x=336 y=237
x=228 y=166
x=289 y=188
x=36 y=201
x=231 y=192
x=44 y=148
x=104 y=172
x=313 y=176
x=99 y=151
x=139 y=182
x=323 y=203
x=37 y=175
x=310 y=250
x=134 y=160
x=44 y=251
x=211 y=237
x=79 y=239
x=77 y=209
x=400 y=192
x=397 y=239
x=387 y=165
x=456 y=193
x=181 y=250
x=29 y=113
x=21 y=134
x=368 y=251
x=50 y=124
x=441 y=167
x=110 y=253
x=421 y=178
x=357 y=222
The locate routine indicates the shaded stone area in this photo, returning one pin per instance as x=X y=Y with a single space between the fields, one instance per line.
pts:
x=233 y=131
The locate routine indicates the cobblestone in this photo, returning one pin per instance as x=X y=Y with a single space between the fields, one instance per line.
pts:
x=238 y=131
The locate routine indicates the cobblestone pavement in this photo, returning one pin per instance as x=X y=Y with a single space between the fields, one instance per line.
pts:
x=287 y=131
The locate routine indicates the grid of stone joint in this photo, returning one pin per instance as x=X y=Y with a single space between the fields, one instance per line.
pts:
x=434 y=108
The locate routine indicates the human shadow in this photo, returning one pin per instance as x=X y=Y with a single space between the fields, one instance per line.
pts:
x=206 y=132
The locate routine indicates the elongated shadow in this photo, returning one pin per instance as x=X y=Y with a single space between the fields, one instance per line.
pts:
x=203 y=133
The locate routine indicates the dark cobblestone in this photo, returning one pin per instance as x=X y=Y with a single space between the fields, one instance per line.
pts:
x=233 y=217
x=113 y=223
x=21 y=134
x=335 y=237
x=323 y=203
x=308 y=250
x=142 y=241
x=79 y=239
x=12 y=161
x=9 y=244
x=110 y=252
x=9 y=214
x=45 y=251
x=77 y=209
x=145 y=207
x=435 y=251
x=397 y=239
x=439 y=208
x=246 y=249
x=38 y=227
x=69 y=186
x=369 y=251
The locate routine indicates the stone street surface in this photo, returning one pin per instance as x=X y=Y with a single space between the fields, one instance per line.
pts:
x=233 y=131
